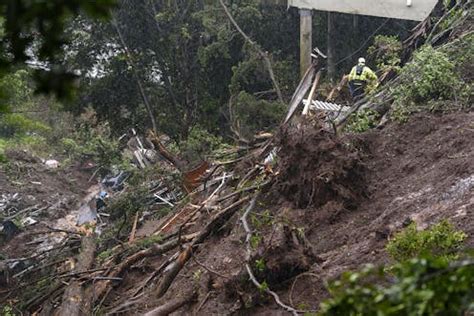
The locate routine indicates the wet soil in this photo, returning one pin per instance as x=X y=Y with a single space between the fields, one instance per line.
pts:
x=335 y=204
x=56 y=192
x=421 y=171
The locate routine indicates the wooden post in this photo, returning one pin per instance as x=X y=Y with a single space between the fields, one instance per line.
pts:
x=305 y=40
x=331 y=52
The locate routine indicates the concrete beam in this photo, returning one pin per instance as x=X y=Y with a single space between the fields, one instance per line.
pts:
x=399 y=9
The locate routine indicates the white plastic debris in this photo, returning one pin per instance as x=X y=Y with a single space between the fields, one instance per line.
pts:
x=52 y=164
x=28 y=221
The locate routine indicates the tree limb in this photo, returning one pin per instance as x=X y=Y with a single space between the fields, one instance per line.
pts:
x=263 y=54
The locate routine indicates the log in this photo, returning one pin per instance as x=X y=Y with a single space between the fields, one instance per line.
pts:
x=101 y=287
x=173 y=305
x=175 y=161
x=174 y=268
x=74 y=298
x=311 y=93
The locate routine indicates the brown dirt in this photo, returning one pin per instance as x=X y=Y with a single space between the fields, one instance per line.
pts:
x=421 y=171
x=316 y=168
x=333 y=207
x=61 y=189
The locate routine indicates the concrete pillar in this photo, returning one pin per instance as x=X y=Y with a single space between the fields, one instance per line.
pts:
x=306 y=36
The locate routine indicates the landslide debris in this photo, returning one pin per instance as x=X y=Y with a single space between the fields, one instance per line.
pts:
x=316 y=167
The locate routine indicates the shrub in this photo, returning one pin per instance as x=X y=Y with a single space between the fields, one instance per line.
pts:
x=253 y=115
x=362 y=121
x=429 y=286
x=441 y=240
x=199 y=144
x=386 y=50
x=431 y=76
x=93 y=140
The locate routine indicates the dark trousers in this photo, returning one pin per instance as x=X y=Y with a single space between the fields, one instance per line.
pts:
x=357 y=89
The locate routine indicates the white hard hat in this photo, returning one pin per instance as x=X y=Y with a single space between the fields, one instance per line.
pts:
x=362 y=60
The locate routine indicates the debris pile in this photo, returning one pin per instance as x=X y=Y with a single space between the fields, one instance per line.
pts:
x=317 y=168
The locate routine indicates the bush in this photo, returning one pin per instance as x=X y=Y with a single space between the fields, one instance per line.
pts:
x=199 y=144
x=255 y=115
x=441 y=240
x=17 y=124
x=93 y=140
x=427 y=286
x=386 y=51
x=430 y=77
x=362 y=121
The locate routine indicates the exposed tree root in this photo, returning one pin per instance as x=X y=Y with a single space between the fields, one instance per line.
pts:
x=248 y=255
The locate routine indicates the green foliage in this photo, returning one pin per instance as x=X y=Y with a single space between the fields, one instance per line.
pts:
x=104 y=255
x=254 y=115
x=260 y=265
x=429 y=79
x=93 y=140
x=261 y=219
x=362 y=121
x=129 y=203
x=34 y=23
x=255 y=241
x=148 y=241
x=199 y=144
x=263 y=287
x=426 y=286
x=386 y=50
x=7 y=310
x=12 y=124
x=441 y=240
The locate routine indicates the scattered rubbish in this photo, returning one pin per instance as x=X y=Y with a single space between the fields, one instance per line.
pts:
x=115 y=182
x=28 y=221
x=86 y=215
x=52 y=164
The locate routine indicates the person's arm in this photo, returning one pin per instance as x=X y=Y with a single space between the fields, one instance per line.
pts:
x=372 y=79
x=352 y=74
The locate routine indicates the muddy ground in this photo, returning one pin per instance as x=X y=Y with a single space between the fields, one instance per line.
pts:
x=421 y=171
x=48 y=196
x=331 y=211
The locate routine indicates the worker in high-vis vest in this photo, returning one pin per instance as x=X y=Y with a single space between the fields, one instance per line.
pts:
x=362 y=80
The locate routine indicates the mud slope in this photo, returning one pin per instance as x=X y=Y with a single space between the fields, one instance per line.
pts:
x=421 y=171
x=333 y=209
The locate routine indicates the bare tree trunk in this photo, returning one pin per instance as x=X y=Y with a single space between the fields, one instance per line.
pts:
x=74 y=300
x=135 y=75
x=331 y=49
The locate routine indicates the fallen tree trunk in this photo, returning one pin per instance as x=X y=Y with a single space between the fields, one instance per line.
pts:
x=173 y=305
x=74 y=298
x=175 y=161
x=101 y=287
x=174 y=268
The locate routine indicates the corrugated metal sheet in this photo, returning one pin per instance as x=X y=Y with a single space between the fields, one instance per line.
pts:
x=326 y=106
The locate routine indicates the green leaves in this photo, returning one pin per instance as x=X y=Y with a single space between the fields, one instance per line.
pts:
x=362 y=121
x=425 y=281
x=37 y=27
x=441 y=240
x=431 y=76
x=422 y=286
